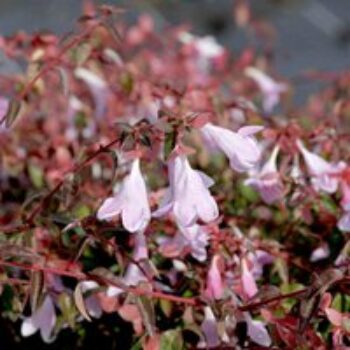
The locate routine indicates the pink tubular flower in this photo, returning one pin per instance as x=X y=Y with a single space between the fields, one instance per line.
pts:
x=210 y=330
x=188 y=197
x=321 y=252
x=247 y=280
x=257 y=331
x=345 y=202
x=344 y=222
x=271 y=90
x=131 y=202
x=44 y=320
x=267 y=181
x=240 y=147
x=321 y=171
x=91 y=302
x=215 y=284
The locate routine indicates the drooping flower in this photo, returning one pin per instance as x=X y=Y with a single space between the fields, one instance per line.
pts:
x=247 y=280
x=267 y=181
x=257 y=331
x=188 y=197
x=91 y=302
x=210 y=330
x=240 y=147
x=98 y=89
x=344 y=222
x=215 y=284
x=321 y=252
x=131 y=202
x=321 y=172
x=44 y=320
x=270 y=89
x=193 y=238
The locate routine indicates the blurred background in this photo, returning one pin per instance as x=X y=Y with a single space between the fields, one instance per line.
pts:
x=303 y=35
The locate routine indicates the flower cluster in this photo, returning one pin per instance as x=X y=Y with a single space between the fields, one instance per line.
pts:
x=152 y=177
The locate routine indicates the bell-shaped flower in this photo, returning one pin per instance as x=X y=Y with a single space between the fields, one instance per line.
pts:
x=193 y=238
x=321 y=172
x=91 y=302
x=240 y=147
x=215 y=284
x=267 y=181
x=320 y=253
x=345 y=201
x=188 y=197
x=98 y=89
x=131 y=202
x=344 y=222
x=43 y=319
x=270 y=89
x=210 y=330
x=257 y=331
x=247 y=280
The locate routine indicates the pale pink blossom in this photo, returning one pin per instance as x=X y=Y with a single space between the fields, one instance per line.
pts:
x=210 y=330
x=91 y=302
x=247 y=279
x=140 y=248
x=345 y=202
x=208 y=47
x=240 y=147
x=322 y=172
x=321 y=252
x=257 y=331
x=43 y=320
x=131 y=202
x=344 y=222
x=193 y=238
x=270 y=89
x=215 y=284
x=267 y=180
x=98 y=89
x=188 y=197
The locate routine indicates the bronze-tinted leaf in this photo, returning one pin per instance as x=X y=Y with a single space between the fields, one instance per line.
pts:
x=36 y=289
x=80 y=303
x=146 y=308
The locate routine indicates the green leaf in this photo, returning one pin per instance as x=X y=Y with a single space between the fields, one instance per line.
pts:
x=36 y=175
x=169 y=143
x=127 y=82
x=166 y=306
x=68 y=309
x=248 y=192
x=172 y=340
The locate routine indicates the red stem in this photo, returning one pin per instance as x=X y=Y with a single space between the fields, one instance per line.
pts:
x=83 y=276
